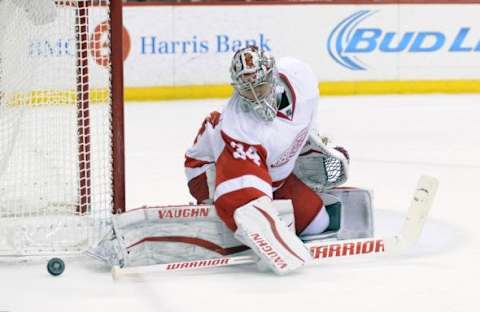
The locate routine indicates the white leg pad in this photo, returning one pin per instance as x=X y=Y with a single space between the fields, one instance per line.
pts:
x=260 y=228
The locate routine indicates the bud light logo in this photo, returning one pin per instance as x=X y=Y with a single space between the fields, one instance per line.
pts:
x=348 y=41
x=341 y=36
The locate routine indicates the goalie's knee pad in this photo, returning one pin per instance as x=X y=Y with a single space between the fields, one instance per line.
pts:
x=260 y=228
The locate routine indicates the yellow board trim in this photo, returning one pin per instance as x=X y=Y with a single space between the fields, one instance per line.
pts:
x=399 y=87
x=159 y=93
x=177 y=92
x=56 y=97
x=326 y=89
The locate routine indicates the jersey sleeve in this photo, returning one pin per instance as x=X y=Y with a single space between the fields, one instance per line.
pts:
x=241 y=176
x=200 y=156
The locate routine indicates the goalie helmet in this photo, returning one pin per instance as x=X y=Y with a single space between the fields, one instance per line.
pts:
x=255 y=78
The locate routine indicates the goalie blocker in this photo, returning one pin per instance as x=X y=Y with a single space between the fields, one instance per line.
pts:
x=154 y=235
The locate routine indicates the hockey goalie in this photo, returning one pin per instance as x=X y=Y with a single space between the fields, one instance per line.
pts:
x=265 y=181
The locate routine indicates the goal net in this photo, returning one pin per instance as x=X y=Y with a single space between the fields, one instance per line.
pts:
x=61 y=162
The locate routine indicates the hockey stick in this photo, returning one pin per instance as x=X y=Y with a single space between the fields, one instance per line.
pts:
x=421 y=203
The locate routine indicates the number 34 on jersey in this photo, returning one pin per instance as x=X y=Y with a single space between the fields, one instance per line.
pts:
x=250 y=153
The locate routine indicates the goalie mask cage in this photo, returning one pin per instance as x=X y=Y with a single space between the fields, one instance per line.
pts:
x=61 y=124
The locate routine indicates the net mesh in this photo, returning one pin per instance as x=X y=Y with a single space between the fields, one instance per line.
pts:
x=55 y=125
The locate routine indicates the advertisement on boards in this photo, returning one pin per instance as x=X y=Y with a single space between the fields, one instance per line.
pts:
x=193 y=45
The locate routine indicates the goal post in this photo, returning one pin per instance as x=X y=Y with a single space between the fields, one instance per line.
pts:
x=61 y=124
x=118 y=140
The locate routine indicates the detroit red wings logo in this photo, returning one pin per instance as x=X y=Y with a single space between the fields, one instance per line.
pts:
x=292 y=149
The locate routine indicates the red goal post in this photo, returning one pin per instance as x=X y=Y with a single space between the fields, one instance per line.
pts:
x=61 y=124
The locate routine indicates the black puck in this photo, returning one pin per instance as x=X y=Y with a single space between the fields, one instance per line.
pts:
x=55 y=266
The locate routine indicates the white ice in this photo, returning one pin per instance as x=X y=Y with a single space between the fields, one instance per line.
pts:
x=392 y=141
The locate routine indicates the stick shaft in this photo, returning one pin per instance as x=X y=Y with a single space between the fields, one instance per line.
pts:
x=319 y=251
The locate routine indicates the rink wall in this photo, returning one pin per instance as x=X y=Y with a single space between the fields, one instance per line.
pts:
x=183 y=51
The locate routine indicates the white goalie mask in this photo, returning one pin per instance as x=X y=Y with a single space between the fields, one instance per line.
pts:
x=255 y=78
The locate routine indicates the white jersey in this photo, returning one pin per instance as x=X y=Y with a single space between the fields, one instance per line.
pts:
x=252 y=156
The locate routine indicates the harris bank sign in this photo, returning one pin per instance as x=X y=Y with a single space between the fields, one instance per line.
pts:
x=350 y=42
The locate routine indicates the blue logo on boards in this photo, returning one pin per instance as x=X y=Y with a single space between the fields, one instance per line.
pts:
x=348 y=41
x=340 y=37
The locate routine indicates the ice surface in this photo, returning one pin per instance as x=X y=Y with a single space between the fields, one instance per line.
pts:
x=392 y=141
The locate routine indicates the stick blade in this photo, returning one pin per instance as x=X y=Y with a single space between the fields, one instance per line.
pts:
x=422 y=201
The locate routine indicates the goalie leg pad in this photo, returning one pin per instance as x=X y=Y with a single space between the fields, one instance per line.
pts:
x=152 y=235
x=350 y=214
x=357 y=214
x=260 y=228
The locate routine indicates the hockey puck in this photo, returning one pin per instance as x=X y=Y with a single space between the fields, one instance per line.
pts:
x=55 y=266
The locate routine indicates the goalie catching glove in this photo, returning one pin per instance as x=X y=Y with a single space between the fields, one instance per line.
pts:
x=260 y=228
x=320 y=166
